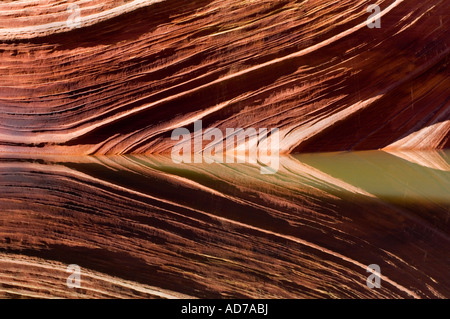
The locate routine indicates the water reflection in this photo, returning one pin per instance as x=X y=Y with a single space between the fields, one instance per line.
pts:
x=144 y=226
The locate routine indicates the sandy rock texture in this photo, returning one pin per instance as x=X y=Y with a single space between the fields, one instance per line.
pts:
x=124 y=75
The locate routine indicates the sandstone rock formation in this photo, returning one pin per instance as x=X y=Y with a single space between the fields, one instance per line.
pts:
x=130 y=72
x=108 y=78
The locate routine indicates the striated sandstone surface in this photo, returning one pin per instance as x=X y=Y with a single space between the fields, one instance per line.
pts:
x=135 y=70
x=141 y=226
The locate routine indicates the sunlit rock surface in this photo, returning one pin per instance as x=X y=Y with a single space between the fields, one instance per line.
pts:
x=131 y=71
x=126 y=74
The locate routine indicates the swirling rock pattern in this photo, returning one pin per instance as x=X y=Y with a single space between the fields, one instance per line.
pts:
x=120 y=78
x=142 y=226
x=135 y=70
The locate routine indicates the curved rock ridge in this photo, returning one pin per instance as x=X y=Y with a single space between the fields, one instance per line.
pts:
x=129 y=72
x=142 y=226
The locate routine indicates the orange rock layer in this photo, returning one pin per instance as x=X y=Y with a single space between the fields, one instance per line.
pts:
x=135 y=70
